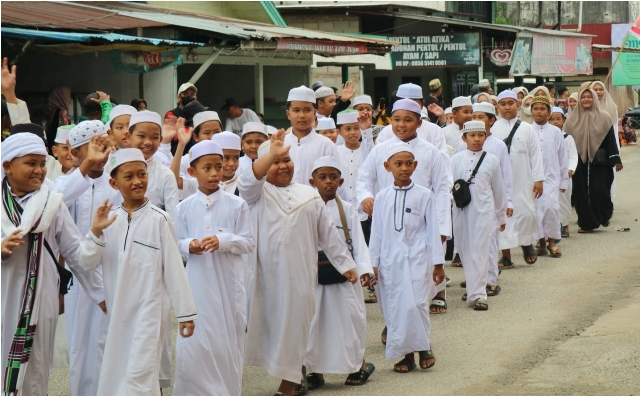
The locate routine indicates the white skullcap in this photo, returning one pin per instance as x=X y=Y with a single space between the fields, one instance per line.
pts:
x=448 y=110
x=484 y=107
x=473 y=126
x=227 y=140
x=409 y=91
x=460 y=101
x=258 y=127
x=62 y=134
x=123 y=156
x=204 y=116
x=19 y=145
x=326 y=123
x=302 y=94
x=271 y=130
x=484 y=84
x=323 y=92
x=84 y=131
x=325 y=161
x=557 y=110
x=264 y=148
x=186 y=86
x=348 y=117
x=118 y=111
x=400 y=147
x=145 y=116
x=407 y=104
x=507 y=94
x=205 y=147
x=362 y=99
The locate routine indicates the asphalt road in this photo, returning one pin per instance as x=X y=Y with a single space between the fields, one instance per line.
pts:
x=567 y=326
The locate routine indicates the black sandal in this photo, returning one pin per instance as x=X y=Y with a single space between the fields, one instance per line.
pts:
x=410 y=364
x=361 y=377
x=493 y=290
x=314 y=381
x=529 y=251
x=427 y=355
x=384 y=334
x=456 y=262
x=506 y=263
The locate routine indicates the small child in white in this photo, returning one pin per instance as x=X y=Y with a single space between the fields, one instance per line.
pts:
x=141 y=263
x=327 y=128
x=405 y=241
x=332 y=325
x=214 y=231
x=474 y=225
x=62 y=153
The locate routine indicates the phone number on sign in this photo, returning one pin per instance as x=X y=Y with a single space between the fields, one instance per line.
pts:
x=421 y=63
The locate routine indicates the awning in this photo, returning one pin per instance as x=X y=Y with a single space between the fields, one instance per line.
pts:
x=86 y=37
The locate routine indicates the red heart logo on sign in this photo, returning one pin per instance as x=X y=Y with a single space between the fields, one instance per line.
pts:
x=500 y=57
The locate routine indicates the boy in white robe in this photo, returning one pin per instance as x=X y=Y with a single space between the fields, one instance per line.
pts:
x=406 y=253
x=284 y=277
x=36 y=230
x=62 y=153
x=431 y=172
x=528 y=177
x=253 y=135
x=118 y=125
x=231 y=147
x=327 y=127
x=556 y=177
x=141 y=263
x=214 y=231
x=338 y=336
x=557 y=120
x=474 y=225
x=206 y=124
x=86 y=321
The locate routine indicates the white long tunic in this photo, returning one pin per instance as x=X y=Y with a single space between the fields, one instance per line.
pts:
x=210 y=362
x=86 y=323
x=352 y=160
x=556 y=178
x=140 y=263
x=290 y=224
x=339 y=327
x=405 y=240
x=431 y=173
x=572 y=164
x=527 y=167
x=453 y=136
x=63 y=238
x=474 y=226
x=54 y=168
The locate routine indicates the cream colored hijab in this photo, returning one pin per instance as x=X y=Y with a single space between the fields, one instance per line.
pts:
x=585 y=85
x=574 y=96
x=523 y=116
x=588 y=127
x=534 y=92
x=606 y=103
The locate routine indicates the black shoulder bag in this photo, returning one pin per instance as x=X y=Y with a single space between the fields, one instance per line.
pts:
x=509 y=138
x=461 y=192
x=327 y=274
x=65 y=275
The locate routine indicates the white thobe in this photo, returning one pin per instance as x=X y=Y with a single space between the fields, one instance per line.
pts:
x=427 y=131
x=86 y=323
x=18 y=112
x=499 y=149
x=54 y=168
x=140 y=263
x=64 y=238
x=163 y=155
x=245 y=162
x=352 y=160
x=290 y=224
x=474 y=226
x=405 y=239
x=231 y=185
x=431 y=173
x=339 y=327
x=210 y=362
x=556 y=178
x=572 y=164
x=527 y=167
x=453 y=136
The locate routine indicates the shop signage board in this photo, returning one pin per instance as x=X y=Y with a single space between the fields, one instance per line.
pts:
x=548 y=55
x=627 y=69
x=322 y=46
x=438 y=50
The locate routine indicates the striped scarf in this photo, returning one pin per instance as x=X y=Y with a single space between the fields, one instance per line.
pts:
x=22 y=343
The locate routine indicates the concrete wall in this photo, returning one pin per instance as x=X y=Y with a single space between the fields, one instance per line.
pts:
x=326 y=23
x=247 y=10
x=592 y=12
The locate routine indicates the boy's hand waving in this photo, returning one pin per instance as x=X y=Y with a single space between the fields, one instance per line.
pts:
x=101 y=220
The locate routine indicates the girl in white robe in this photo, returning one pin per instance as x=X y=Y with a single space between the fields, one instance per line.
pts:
x=406 y=253
x=474 y=225
x=210 y=362
x=554 y=156
x=285 y=273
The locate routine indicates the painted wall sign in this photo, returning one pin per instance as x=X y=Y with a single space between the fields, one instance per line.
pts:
x=440 y=50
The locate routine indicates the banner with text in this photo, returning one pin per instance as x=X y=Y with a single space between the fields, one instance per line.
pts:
x=143 y=61
x=561 y=56
x=627 y=70
x=322 y=47
x=440 y=50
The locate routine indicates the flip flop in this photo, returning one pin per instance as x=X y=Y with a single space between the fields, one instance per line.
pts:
x=555 y=252
x=529 y=251
x=427 y=355
x=480 y=305
x=506 y=263
x=494 y=290
x=411 y=365
x=362 y=376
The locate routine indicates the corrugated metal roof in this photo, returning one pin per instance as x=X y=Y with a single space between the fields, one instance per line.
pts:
x=59 y=15
x=47 y=35
x=429 y=5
